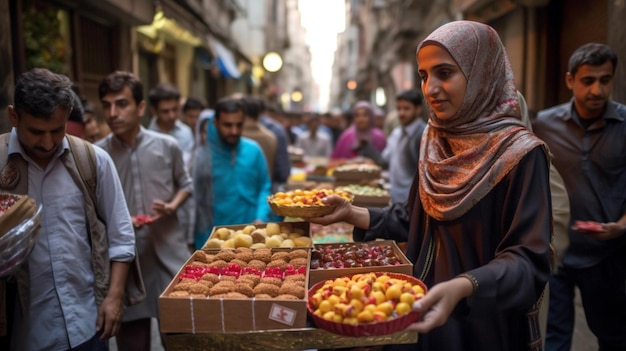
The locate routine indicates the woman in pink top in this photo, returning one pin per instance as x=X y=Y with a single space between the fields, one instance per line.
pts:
x=362 y=136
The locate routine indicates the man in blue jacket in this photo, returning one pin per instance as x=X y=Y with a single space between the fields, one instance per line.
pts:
x=235 y=169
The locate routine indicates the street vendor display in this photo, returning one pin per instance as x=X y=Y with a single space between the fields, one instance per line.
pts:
x=261 y=293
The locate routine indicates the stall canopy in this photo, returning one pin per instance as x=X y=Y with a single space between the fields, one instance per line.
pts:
x=225 y=59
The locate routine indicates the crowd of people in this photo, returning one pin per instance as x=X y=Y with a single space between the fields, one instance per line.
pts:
x=471 y=185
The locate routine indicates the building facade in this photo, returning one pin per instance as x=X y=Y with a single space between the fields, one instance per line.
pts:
x=208 y=49
x=539 y=35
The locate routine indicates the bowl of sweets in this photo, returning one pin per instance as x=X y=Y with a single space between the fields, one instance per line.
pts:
x=368 y=304
x=305 y=203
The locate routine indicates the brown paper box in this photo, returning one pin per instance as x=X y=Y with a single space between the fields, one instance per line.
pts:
x=187 y=315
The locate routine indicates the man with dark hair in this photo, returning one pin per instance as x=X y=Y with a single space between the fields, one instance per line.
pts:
x=235 y=169
x=165 y=107
x=156 y=183
x=587 y=138
x=191 y=111
x=313 y=143
x=401 y=154
x=71 y=289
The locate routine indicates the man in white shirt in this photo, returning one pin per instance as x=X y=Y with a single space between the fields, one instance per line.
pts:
x=59 y=307
x=312 y=142
x=154 y=182
x=402 y=150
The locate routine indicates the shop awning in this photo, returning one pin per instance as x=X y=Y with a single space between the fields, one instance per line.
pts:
x=225 y=60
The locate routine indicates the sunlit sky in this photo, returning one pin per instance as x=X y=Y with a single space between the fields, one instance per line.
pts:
x=323 y=19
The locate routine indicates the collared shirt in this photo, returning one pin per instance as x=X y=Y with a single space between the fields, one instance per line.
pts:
x=186 y=140
x=63 y=311
x=182 y=133
x=592 y=162
x=266 y=140
x=320 y=146
x=401 y=159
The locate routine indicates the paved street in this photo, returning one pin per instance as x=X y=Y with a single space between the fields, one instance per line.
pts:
x=583 y=338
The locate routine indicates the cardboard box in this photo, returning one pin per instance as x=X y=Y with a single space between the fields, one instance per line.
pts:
x=304 y=226
x=355 y=175
x=197 y=315
x=371 y=201
x=405 y=267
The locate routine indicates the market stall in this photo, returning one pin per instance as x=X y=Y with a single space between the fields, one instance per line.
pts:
x=290 y=286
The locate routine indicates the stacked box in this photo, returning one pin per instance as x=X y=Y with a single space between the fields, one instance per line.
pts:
x=229 y=315
x=404 y=266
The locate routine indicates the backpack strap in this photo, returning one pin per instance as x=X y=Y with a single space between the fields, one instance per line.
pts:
x=85 y=158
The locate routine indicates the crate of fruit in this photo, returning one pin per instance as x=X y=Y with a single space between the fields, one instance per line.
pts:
x=329 y=261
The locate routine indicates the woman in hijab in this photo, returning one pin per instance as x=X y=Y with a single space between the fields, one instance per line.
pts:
x=362 y=137
x=477 y=222
x=202 y=180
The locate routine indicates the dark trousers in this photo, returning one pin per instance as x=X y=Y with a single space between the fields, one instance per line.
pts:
x=603 y=293
x=134 y=335
x=93 y=344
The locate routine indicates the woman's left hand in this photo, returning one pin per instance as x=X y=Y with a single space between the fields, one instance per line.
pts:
x=438 y=303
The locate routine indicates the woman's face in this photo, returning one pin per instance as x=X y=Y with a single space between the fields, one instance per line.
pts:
x=362 y=119
x=443 y=82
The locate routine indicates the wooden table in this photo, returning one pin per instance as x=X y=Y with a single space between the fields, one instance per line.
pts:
x=280 y=340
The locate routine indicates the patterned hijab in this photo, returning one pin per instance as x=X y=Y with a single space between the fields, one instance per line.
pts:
x=464 y=157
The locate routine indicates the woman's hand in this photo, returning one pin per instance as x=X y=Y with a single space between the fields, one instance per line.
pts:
x=438 y=303
x=342 y=212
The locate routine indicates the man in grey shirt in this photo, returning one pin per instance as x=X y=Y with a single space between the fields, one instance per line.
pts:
x=587 y=137
x=155 y=183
